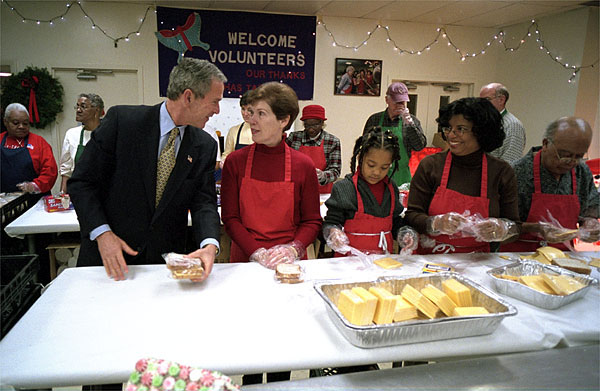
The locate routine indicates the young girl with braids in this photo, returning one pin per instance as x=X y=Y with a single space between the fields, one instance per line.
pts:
x=364 y=210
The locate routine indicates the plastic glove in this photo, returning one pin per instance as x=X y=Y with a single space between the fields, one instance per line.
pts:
x=493 y=229
x=447 y=224
x=406 y=118
x=320 y=175
x=553 y=232
x=261 y=256
x=284 y=253
x=589 y=230
x=336 y=239
x=28 y=187
x=408 y=240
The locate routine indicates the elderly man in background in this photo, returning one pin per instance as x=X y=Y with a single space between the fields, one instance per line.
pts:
x=322 y=147
x=514 y=143
x=28 y=163
x=403 y=124
x=556 y=189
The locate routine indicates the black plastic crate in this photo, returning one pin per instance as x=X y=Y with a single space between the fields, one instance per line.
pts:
x=19 y=289
x=15 y=208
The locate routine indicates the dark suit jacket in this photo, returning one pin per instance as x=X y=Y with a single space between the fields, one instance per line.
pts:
x=114 y=183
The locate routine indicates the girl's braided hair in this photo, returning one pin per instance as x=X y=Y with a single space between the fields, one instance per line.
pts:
x=378 y=139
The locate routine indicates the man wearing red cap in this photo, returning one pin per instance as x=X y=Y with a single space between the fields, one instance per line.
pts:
x=404 y=125
x=323 y=148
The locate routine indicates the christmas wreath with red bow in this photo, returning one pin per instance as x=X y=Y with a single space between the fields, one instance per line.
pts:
x=38 y=91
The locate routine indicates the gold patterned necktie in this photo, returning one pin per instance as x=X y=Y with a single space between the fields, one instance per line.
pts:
x=166 y=162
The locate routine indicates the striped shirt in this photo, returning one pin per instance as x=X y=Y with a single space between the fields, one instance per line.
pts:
x=331 y=148
x=514 y=142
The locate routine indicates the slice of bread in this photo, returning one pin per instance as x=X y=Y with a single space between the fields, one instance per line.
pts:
x=288 y=273
x=573 y=265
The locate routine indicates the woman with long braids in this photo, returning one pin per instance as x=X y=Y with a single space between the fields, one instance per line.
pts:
x=364 y=210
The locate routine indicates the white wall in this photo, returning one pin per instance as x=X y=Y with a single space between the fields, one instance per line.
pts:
x=539 y=88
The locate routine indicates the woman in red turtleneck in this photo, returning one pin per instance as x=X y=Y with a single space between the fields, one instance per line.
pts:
x=269 y=191
x=27 y=161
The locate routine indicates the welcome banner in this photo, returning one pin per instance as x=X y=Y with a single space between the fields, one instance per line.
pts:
x=250 y=48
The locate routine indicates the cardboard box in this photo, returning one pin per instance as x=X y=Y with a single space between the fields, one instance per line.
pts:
x=57 y=203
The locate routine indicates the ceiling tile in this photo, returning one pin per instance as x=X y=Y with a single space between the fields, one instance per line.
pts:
x=296 y=7
x=512 y=14
x=406 y=10
x=458 y=12
x=352 y=9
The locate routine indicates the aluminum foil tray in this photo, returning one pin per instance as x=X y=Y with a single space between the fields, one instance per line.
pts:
x=417 y=330
x=529 y=295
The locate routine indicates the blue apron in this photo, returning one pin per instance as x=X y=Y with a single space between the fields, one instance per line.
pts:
x=17 y=166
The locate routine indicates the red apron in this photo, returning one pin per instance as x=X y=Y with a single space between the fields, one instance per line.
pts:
x=317 y=154
x=446 y=200
x=367 y=233
x=266 y=208
x=563 y=207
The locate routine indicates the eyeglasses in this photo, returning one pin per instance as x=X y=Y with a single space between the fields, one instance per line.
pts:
x=491 y=98
x=82 y=107
x=566 y=159
x=458 y=131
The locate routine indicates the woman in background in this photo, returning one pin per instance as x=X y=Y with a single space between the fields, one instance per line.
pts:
x=88 y=110
x=28 y=163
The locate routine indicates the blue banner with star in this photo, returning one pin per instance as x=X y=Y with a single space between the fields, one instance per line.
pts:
x=250 y=48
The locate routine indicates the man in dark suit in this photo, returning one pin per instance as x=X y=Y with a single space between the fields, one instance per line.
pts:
x=124 y=218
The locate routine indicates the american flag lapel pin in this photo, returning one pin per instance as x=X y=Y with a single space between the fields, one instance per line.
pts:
x=190 y=158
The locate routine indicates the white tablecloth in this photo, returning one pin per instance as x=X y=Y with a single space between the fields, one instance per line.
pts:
x=88 y=329
x=37 y=221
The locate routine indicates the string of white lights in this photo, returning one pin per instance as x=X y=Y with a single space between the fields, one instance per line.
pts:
x=441 y=32
x=95 y=26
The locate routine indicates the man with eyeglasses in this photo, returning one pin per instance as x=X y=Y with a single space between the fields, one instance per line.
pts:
x=403 y=124
x=556 y=189
x=322 y=147
x=514 y=142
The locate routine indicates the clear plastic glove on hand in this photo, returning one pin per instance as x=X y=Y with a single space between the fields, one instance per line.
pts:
x=493 y=229
x=336 y=239
x=589 y=230
x=447 y=224
x=261 y=256
x=553 y=233
x=284 y=253
x=408 y=240
x=320 y=175
x=28 y=187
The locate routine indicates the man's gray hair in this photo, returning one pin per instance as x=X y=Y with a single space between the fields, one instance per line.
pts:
x=15 y=107
x=95 y=99
x=501 y=90
x=195 y=74
x=573 y=122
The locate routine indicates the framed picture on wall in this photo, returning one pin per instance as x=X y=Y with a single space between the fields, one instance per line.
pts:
x=357 y=77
